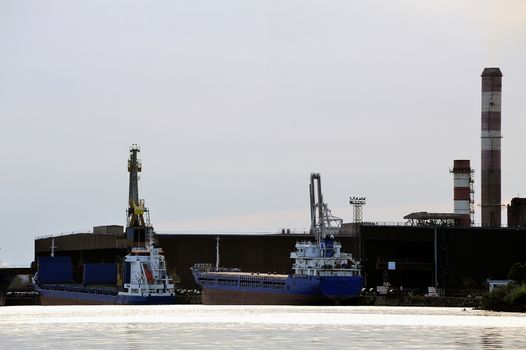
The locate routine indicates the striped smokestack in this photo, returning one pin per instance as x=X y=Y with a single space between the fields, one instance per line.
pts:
x=462 y=179
x=490 y=150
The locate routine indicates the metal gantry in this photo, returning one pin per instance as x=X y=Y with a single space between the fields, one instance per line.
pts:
x=323 y=223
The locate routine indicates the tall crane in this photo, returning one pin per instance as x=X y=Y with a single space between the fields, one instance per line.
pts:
x=138 y=221
x=323 y=223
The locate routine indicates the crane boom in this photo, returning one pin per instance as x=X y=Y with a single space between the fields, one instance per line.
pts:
x=138 y=224
x=323 y=223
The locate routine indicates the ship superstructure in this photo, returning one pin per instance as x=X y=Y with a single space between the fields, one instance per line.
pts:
x=323 y=257
x=145 y=277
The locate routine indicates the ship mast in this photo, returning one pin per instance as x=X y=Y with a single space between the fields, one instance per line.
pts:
x=53 y=246
x=323 y=223
x=217 y=253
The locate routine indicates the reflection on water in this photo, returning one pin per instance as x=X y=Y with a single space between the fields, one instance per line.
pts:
x=491 y=338
x=257 y=327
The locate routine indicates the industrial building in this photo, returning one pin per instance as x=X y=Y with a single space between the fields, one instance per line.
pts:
x=517 y=213
x=454 y=259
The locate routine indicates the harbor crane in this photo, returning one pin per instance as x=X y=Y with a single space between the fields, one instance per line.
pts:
x=138 y=220
x=323 y=223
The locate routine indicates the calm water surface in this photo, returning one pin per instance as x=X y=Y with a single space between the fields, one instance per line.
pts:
x=257 y=327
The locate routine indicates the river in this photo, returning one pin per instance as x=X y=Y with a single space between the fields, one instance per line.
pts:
x=257 y=327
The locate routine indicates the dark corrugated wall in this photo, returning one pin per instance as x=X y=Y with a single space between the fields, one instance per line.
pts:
x=466 y=256
x=81 y=241
x=254 y=253
x=257 y=253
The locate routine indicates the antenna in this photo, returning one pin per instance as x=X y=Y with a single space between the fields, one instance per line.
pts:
x=217 y=253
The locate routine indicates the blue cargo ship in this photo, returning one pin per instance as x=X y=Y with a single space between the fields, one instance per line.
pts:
x=145 y=281
x=322 y=272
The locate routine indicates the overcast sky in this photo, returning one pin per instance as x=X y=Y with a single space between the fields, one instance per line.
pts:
x=235 y=103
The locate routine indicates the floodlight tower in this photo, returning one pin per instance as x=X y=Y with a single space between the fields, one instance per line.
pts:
x=357 y=205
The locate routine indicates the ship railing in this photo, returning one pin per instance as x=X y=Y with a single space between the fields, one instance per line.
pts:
x=326 y=267
x=228 y=269
x=209 y=268
x=309 y=243
x=261 y=280
x=251 y=281
x=261 y=284
x=260 y=277
x=203 y=267
x=266 y=284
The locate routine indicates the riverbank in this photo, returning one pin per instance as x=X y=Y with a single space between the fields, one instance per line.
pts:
x=407 y=300
x=506 y=298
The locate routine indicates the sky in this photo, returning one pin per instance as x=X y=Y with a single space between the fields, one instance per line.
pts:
x=235 y=103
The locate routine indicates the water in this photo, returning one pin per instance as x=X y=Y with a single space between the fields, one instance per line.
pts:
x=257 y=327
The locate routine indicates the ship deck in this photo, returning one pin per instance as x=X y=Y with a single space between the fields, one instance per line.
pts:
x=245 y=274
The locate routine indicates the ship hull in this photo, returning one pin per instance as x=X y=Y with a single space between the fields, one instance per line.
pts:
x=146 y=300
x=57 y=297
x=254 y=297
x=340 y=288
x=61 y=297
x=249 y=289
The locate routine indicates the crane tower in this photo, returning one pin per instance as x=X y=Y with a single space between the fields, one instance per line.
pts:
x=138 y=227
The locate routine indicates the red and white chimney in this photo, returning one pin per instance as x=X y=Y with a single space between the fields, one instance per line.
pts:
x=490 y=150
x=463 y=191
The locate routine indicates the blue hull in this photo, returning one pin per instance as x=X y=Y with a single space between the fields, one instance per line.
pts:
x=276 y=289
x=66 y=297
x=341 y=288
x=149 y=300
